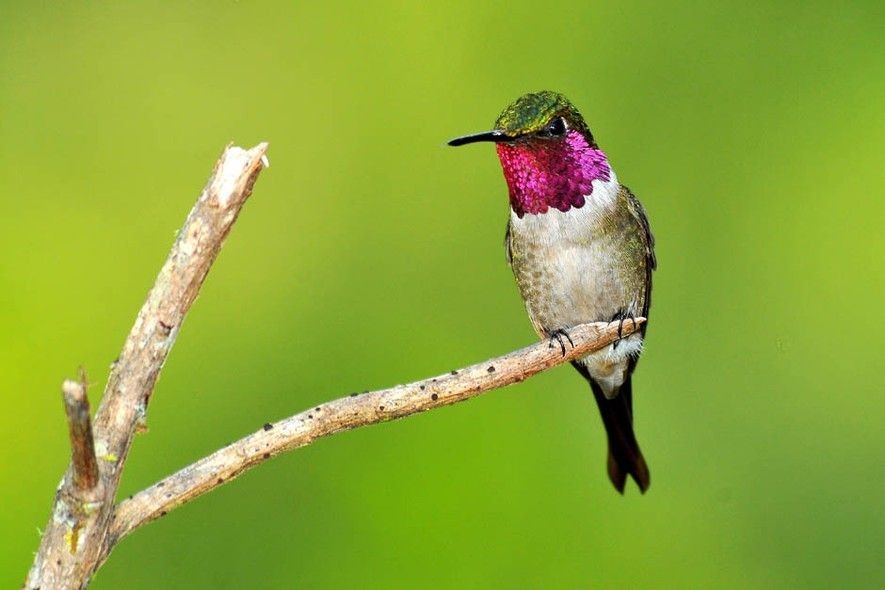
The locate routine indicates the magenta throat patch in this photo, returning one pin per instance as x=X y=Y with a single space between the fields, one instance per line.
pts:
x=543 y=173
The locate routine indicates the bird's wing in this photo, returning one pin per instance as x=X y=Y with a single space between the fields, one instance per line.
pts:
x=651 y=262
x=507 y=250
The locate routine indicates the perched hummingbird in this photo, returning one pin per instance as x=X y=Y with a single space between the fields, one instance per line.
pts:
x=581 y=250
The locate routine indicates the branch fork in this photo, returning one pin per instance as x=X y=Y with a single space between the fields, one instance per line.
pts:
x=76 y=541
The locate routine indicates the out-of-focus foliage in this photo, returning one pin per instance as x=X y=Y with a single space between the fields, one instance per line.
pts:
x=371 y=254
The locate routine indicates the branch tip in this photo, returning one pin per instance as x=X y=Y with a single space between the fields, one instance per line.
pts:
x=83 y=462
x=235 y=172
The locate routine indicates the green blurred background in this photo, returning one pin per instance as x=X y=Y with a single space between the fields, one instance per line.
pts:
x=371 y=254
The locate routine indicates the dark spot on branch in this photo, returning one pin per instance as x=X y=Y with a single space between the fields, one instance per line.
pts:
x=167 y=328
x=421 y=387
x=381 y=408
x=434 y=397
x=354 y=394
x=267 y=426
x=168 y=495
x=310 y=416
x=162 y=513
x=266 y=455
x=57 y=562
x=317 y=409
x=454 y=372
x=220 y=480
x=161 y=484
x=491 y=369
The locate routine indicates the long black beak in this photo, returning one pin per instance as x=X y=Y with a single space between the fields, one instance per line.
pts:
x=495 y=136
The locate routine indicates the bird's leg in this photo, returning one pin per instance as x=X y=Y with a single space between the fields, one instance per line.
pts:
x=558 y=336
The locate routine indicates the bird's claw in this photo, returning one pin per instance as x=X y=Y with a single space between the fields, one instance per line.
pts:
x=559 y=336
x=622 y=317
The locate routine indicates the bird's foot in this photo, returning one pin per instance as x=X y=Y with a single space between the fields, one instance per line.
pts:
x=622 y=316
x=560 y=336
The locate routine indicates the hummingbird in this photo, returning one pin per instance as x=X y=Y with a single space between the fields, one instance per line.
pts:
x=581 y=250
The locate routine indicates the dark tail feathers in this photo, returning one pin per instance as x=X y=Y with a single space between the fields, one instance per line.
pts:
x=624 y=456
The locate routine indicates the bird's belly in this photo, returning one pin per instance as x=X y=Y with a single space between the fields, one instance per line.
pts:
x=568 y=284
x=565 y=282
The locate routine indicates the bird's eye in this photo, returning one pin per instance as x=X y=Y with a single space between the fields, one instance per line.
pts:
x=556 y=128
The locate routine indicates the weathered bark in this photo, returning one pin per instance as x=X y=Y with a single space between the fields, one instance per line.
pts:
x=76 y=539
x=353 y=412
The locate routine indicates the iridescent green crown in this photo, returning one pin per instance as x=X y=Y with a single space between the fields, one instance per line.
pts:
x=531 y=112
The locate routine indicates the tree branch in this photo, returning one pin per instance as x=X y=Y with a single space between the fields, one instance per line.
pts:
x=353 y=412
x=83 y=462
x=76 y=540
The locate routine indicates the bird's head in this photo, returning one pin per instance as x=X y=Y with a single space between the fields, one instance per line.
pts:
x=547 y=152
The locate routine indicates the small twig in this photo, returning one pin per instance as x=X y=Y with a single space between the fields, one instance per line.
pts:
x=353 y=412
x=83 y=463
x=75 y=542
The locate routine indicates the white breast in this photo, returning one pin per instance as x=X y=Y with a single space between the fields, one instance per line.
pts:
x=555 y=226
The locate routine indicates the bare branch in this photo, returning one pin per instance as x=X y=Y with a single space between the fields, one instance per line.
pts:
x=353 y=412
x=75 y=541
x=83 y=462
